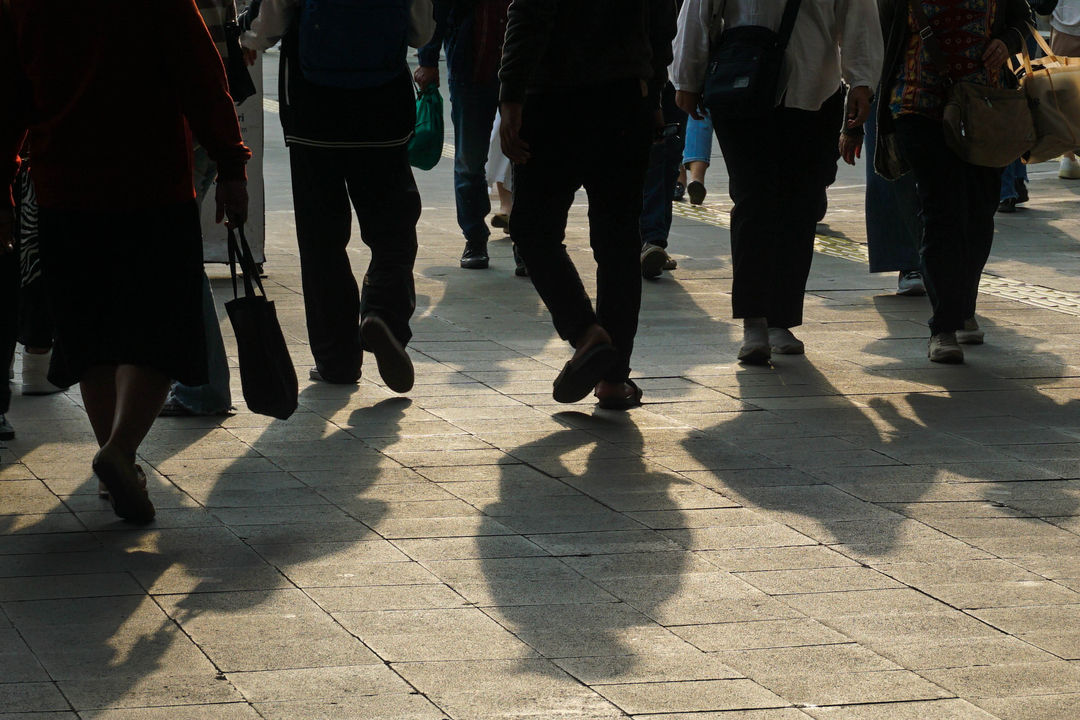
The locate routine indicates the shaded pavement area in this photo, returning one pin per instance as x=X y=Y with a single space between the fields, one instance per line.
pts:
x=851 y=535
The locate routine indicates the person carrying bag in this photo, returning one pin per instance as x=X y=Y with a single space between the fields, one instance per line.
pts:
x=1052 y=87
x=934 y=47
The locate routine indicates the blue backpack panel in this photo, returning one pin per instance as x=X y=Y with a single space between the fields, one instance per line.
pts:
x=353 y=43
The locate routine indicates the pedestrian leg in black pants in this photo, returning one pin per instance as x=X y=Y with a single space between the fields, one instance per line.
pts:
x=544 y=190
x=323 y=226
x=9 y=330
x=957 y=204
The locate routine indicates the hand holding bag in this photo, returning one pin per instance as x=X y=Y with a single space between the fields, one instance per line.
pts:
x=266 y=370
x=745 y=66
x=984 y=126
x=1052 y=87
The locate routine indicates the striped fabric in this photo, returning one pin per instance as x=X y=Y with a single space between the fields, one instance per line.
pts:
x=26 y=221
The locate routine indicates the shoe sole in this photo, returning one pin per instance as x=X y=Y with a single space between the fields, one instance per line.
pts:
x=789 y=349
x=970 y=340
x=621 y=403
x=500 y=221
x=577 y=379
x=395 y=365
x=652 y=263
x=696 y=192
x=475 y=264
x=912 y=292
x=129 y=501
x=947 y=358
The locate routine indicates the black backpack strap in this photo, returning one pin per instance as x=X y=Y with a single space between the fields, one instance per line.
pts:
x=930 y=41
x=787 y=24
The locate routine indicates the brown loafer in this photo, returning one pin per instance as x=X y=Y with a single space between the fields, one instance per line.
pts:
x=617 y=396
x=127 y=496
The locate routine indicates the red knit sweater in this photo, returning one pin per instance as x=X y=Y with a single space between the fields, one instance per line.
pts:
x=109 y=90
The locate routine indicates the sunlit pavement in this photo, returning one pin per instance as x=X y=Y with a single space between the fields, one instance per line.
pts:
x=853 y=534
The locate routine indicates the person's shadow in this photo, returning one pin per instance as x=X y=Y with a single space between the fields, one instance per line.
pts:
x=589 y=579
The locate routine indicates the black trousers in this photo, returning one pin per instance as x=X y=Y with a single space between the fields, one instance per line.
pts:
x=380 y=184
x=9 y=321
x=957 y=204
x=779 y=168
x=564 y=144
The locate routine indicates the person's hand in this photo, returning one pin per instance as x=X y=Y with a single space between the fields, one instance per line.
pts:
x=851 y=147
x=425 y=76
x=995 y=56
x=232 y=202
x=690 y=103
x=513 y=147
x=858 y=106
x=250 y=56
x=7 y=230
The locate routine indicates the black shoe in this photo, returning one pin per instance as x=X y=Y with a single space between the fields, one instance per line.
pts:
x=6 y=431
x=680 y=192
x=317 y=374
x=697 y=192
x=395 y=365
x=475 y=256
x=1021 y=192
x=1007 y=206
x=519 y=265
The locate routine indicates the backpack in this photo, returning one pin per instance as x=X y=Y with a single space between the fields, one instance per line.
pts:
x=353 y=43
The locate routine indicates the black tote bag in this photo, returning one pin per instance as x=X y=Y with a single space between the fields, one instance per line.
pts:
x=266 y=370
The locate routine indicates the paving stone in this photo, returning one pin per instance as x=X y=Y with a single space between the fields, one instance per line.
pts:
x=225 y=711
x=776 y=714
x=954 y=709
x=384 y=707
x=671 y=667
x=1009 y=679
x=340 y=684
x=828 y=688
x=794 y=632
x=156 y=689
x=792 y=582
x=692 y=696
x=1038 y=707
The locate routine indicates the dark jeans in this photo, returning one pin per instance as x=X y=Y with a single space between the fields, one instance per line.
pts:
x=893 y=228
x=472 y=110
x=957 y=205
x=664 y=161
x=544 y=187
x=779 y=168
x=380 y=184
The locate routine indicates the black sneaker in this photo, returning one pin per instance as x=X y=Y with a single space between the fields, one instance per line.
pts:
x=6 y=431
x=475 y=256
x=1021 y=192
x=519 y=265
x=1008 y=205
x=680 y=192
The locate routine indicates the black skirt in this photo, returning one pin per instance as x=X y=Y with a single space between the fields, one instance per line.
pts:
x=125 y=289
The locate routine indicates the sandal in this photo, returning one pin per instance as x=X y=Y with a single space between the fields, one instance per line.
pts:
x=580 y=376
x=618 y=396
x=129 y=499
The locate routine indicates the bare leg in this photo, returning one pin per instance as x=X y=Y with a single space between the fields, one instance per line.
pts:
x=697 y=170
x=506 y=198
x=98 y=385
x=140 y=393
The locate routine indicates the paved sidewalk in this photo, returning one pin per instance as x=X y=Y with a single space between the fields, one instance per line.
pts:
x=850 y=535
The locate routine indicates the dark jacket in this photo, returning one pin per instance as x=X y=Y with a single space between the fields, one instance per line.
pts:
x=454 y=28
x=320 y=116
x=556 y=45
x=1010 y=27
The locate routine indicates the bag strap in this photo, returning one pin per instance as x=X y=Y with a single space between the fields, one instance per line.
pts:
x=787 y=23
x=930 y=41
x=240 y=253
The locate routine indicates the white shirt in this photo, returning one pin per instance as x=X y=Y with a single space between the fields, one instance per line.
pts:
x=275 y=15
x=1066 y=17
x=833 y=40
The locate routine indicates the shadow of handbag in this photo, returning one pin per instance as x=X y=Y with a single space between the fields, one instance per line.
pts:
x=745 y=65
x=983 y=125
x=1052 y=87
x=267 y=374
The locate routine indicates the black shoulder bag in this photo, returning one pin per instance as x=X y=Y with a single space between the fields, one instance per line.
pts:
x=745 y=67
x=266 y=370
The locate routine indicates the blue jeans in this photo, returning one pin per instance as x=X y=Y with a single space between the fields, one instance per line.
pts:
x=472 y=110
x=1010 y=176
x=214 y=397
x=660 y=179
x=893 y=228
x=698 y=141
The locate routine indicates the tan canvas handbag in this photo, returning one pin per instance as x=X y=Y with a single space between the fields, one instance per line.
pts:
x=1052 y=85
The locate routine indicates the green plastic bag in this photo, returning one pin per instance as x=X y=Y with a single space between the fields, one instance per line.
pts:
x=425 y=148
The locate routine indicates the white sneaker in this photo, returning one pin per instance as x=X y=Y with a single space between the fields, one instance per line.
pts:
x=910 y=284
x=972 y=334
x=1069 y=168
x=755 y=349
x=943 y=348
x=35 y=375
x=784 y=342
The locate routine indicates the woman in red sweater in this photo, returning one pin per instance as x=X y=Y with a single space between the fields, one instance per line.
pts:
x=111 y=109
